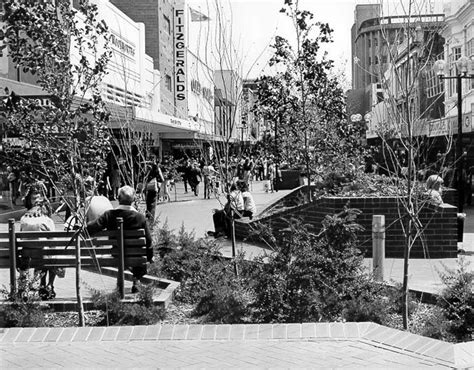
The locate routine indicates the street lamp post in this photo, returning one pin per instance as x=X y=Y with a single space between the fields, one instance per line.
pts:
x=363 y=120
x=464 y=70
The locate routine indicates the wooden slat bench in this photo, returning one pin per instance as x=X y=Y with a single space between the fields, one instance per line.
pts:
x=42 y=249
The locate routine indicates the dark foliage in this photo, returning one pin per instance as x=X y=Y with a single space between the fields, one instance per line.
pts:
x=457 y=300
x=310 y=277
x=23 y=309
x=120 y=313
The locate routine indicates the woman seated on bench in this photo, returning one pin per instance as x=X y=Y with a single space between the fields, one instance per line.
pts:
x=222 y=218
x=37 y=218
x=250 y=209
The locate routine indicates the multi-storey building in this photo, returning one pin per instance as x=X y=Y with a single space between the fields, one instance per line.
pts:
x=177 y=38
x=158 y=18
x=459 y=35
x=376 y=40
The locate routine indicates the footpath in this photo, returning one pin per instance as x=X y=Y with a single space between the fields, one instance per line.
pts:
x=308 y=345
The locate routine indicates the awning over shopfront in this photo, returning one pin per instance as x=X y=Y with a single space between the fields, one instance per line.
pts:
x=166 y=123
x=449 y=125
x=20 y=88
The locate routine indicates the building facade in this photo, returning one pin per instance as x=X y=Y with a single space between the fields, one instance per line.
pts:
x=376 y=41
x=458 y=33
x=176 y=37
x=158 y=18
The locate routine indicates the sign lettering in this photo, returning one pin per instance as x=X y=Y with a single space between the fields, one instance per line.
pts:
x=180 y=55
x=122 y=45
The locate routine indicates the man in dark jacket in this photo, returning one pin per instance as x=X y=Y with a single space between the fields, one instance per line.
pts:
x=132 y=220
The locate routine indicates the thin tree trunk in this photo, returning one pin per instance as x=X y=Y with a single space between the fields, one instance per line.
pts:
x=80 y=307
x=232 y=234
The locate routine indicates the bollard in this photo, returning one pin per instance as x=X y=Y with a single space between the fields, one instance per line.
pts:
x=378 y=245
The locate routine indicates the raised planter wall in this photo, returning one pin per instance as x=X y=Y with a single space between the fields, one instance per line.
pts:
x=439 y=239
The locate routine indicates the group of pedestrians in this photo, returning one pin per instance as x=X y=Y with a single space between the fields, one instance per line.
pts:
x=257 y=168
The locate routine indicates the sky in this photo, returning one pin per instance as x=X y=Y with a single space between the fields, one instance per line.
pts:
x=259 y=21
x=255 y=23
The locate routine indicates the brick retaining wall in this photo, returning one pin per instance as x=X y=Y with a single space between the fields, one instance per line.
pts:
x=440 y=235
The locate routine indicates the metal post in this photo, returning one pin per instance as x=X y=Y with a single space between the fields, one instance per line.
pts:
x=12 y=242
x=121 y=258
x=459 y=154
x=378 y=246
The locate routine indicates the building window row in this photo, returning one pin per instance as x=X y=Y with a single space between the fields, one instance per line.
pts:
x=167 y=24
x=168 y=82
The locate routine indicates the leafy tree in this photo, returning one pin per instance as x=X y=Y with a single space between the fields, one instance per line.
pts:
x=304 y=101
x=66 y=51
x=412 y=97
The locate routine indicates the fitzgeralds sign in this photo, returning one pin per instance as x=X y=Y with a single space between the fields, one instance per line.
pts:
x=180 y=54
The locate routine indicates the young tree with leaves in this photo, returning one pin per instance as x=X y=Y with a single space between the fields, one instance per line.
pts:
x=412 y=97
x=304 y=101
x=65 y=50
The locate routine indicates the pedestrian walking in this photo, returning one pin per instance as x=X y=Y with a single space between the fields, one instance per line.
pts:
x=154 y=177
x=208 y=172
x=114 y=180
x=12 y=186
x=195 y=178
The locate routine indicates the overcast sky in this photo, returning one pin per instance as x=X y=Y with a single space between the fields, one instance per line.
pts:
x=259 y=21
x=255 y=23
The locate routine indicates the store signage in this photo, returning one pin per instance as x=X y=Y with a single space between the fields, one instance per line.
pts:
x=122 y=45
x=438 y=127
x=449 y=126
x=41 y=101
x=180 y=54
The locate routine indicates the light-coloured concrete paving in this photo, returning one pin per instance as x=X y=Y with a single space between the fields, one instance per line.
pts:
x=195 y=214
x=308 y=345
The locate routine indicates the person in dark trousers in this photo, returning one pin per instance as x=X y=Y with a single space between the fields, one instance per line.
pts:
x=186 y=174
x=222 y=218
x=195 y=178
x=132 y=220
x=152 y=189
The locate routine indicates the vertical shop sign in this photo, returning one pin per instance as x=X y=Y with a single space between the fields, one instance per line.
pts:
x=180 y=54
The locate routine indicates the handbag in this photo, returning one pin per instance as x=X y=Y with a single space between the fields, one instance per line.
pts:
x=152 y=185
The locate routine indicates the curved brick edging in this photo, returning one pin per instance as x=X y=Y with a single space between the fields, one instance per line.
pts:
x=439 y=237
x=448 y=354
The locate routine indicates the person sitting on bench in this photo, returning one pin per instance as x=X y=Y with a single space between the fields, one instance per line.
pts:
x=222 y=218
x=132 y=220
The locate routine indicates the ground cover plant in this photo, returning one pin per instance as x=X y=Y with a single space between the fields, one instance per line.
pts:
x=306 y=277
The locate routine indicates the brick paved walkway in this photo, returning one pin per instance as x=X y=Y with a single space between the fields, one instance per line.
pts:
x=229 y=346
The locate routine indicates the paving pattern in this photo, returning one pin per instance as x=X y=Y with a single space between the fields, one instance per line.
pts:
x=309 y=345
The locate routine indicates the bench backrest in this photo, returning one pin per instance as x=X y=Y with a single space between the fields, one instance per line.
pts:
x=57 y=248
x=32 y=249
